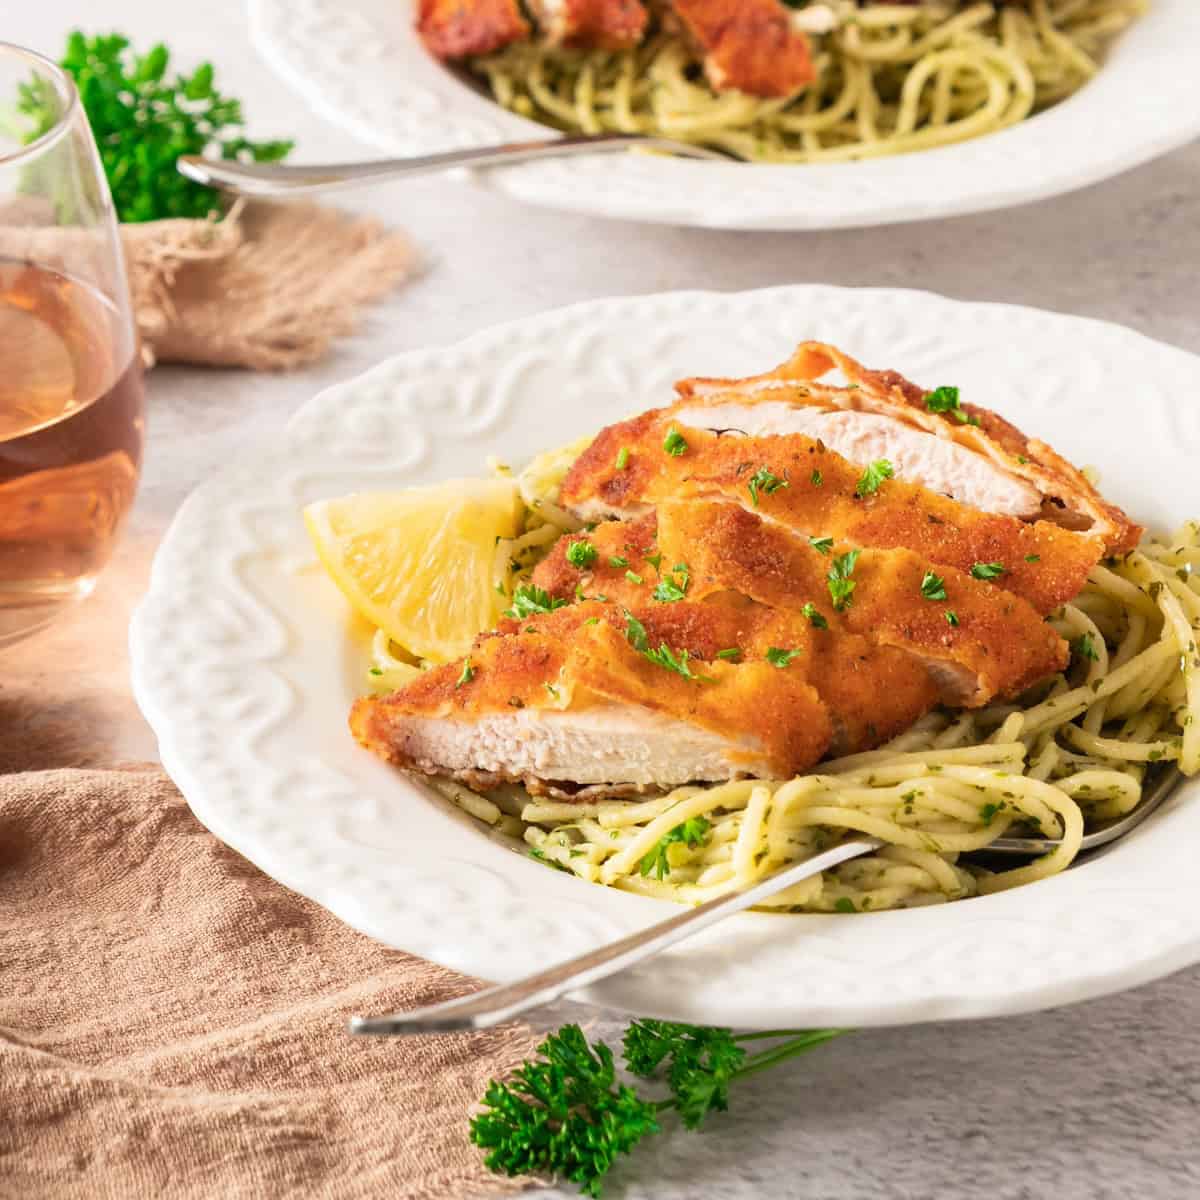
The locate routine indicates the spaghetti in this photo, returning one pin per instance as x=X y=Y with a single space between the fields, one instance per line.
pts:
x=891 y=78
x=1074 y=753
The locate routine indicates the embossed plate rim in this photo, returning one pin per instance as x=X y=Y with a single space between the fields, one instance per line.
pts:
x=359 y=64
x=236 y=673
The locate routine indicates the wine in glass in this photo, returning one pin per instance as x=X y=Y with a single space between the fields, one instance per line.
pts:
x=71 y=422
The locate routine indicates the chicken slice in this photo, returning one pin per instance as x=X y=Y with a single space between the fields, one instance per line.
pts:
x=454 y=29
x=871 y=691
x=591 y=24
x=752 y=46
x=574 y=708
x=963 y=451
x=799 y=483
x=997 y=644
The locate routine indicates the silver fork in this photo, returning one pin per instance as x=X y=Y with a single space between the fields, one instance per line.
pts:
x=493 y=1005
x=277 y=179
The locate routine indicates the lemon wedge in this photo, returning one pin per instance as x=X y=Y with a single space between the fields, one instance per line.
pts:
x=422 y=564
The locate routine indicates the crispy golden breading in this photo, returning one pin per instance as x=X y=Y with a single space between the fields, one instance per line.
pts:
x=748 y=45
x=579 y=659
x=998 y=646
x=454 y=29
x=1069 y=499
x=801 y=484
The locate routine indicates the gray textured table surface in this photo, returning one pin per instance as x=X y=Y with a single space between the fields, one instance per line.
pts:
x=1098 y=1101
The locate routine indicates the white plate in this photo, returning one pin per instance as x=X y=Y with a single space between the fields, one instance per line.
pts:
x=359 y=63
x=245 y=662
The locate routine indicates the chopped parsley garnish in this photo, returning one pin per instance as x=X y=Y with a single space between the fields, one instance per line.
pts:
x=952 y=618
x=765 y=481
x=675 y=586
x=633 y=577
x=841 y=586
x=816 y=478
x=988 y=812
x=666 y=658
x=988 y=570
x=822 y=545
x=635 y=633
x=674 y=443
x=581 y=554
x=655 y=560
x=692 y=833
x=374 y=671
x=871 y=479
x=933 y=587
x=780 y=658
x=946 y=400
x=1083 y=647
x=815 y=619
x=551 y=689
x=618 y=560
x=529 y=599
x=468 y=673
x=844 y=904
x=732 y=654
x=622 y=458
x=1033 y=558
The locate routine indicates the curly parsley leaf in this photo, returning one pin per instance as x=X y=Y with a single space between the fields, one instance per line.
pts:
x=822 y=545
x=564 y=1112
x=635 y=633
x=1084 y=647
x=675 y=586
x=871 y=479
x=692 y=833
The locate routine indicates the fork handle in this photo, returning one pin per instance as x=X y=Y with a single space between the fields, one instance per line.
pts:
x=276 y=179
x=504 y=1001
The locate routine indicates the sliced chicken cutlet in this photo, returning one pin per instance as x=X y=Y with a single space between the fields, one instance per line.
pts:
x=960 y=450
x=800 y=483
x=973 y=640
x=454 y=29
x=591 y=24
x=871 y=691
x=576 y=709
x=754 y=46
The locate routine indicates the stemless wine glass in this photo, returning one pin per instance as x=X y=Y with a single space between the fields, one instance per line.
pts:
x=70 y=375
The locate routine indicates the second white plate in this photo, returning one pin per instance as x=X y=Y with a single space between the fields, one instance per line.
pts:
x=359 y=63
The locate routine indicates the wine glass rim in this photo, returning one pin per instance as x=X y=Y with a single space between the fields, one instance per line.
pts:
x=64 y=82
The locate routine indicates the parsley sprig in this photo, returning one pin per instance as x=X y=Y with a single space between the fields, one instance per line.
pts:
x=870 y=480
x=144 y=120
x=566 y=1113
x=674 y=586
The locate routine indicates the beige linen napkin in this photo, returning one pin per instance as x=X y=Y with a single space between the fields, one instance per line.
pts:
x=172 y=1022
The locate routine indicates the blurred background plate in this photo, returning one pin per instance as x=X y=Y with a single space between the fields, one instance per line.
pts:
x=360 y=64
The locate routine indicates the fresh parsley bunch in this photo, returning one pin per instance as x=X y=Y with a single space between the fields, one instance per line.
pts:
x=143 y=121
x=566 y=1113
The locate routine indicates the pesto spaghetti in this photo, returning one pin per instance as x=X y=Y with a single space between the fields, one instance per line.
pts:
x=891 y=78
x=1072 y=753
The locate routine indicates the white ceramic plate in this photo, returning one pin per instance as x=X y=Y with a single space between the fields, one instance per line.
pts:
x=245 y=661
x=359 y=63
